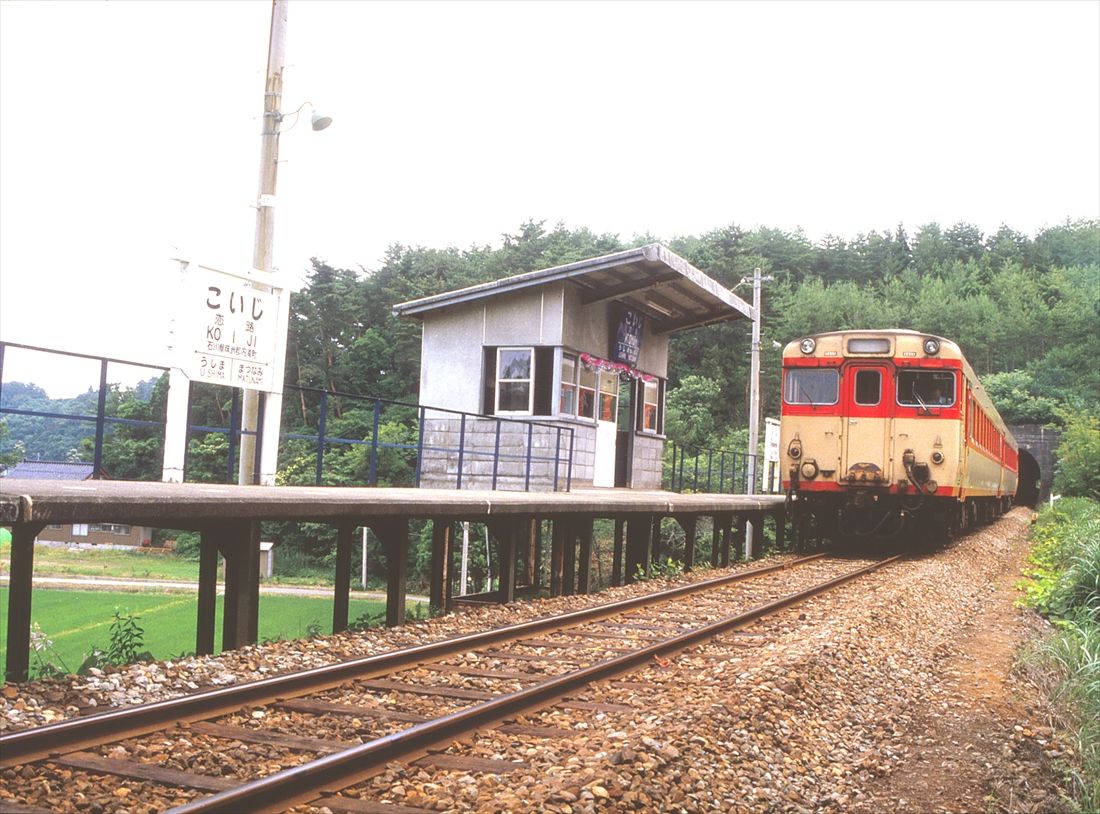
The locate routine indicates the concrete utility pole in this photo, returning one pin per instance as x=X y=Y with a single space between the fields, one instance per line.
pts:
x=754 y=382
x=262 y=255
x=754 y=397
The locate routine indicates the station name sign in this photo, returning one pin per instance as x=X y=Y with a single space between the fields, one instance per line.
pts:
x=228 y=330
x=626 y=344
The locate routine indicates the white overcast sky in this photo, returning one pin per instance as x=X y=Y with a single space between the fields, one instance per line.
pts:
x=130 y=128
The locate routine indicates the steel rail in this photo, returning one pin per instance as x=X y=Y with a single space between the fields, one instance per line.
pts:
x=27 y=745
x=304 y=783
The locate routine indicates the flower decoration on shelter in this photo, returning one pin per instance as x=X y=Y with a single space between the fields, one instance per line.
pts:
x=607 y=366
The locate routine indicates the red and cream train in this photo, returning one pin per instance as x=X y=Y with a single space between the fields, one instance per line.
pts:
x=886 y=430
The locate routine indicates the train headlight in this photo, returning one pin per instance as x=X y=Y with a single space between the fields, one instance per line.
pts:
x=937 y=457
x=807 y=345
x=809 y=470
x=794 y=449
x=931 y=346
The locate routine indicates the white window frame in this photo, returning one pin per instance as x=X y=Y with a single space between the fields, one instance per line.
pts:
x=118 y=529
x=656 y=384
x=606 y=376
x=594 y=390
x=573 y=383
x=530 y=380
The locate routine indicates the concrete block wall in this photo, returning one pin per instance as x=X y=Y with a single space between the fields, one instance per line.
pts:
x=646 y=473
x=439 y=465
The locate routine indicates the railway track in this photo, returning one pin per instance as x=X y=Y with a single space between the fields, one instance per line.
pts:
x=318 y=731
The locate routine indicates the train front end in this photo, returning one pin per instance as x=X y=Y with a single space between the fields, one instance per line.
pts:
x=871 y=434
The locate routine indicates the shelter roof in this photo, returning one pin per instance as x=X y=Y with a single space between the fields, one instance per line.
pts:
x=651 y=279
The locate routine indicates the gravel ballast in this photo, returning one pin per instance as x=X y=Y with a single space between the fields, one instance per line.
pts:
x=819 y=708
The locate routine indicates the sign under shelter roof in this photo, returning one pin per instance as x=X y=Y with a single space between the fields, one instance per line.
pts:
x=581 y=347
x=652 y=279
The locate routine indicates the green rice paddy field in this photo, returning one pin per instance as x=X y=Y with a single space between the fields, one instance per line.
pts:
x=77 y=621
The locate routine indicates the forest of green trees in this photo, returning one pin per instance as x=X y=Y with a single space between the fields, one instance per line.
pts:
x=1024 y=308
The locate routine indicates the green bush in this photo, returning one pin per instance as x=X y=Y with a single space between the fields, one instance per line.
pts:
x=1064 y=575
x=1077 y=474
x=1064 y=584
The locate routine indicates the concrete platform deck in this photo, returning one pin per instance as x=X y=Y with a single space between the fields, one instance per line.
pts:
x=194 y=505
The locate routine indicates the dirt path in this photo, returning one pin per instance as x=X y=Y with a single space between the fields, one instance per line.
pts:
x=165 y=585
x=980 y=744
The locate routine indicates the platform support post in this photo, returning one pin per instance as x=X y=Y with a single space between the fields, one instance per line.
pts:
x=439 y=591
x=506 y=533
x=569 y=559
x=689 y=523
x=240 y=547
x=639 y=531
x=780 y=518
x=741 y=543
x=715 y=540
x=536 y=536
x=394 y=533
x=208 y=593
x=341 y=592
x=617 y=554
x=557 y=555
x=584 y=565
x=655 y=539
x=754 y=547
x=727 y=539
x=20 y=590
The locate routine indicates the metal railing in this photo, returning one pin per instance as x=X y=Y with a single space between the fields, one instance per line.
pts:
x=688 y=468
x=458 y=450
x=544 y=456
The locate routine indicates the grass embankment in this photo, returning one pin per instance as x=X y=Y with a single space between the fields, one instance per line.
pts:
x=58 y=561
x=77 y=621
x=1064 y=585
x=105 y=562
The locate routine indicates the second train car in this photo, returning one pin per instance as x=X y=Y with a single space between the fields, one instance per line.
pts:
x=884 y=431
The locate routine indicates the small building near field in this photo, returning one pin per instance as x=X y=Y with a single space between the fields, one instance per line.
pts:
x=89 y=534
x=581 y=347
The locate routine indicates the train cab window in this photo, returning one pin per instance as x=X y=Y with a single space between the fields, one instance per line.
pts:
x=926 y=388
x=868 y=387
x=813 y=386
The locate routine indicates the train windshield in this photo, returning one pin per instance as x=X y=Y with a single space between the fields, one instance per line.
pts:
x=926 y=388
x=811 y=385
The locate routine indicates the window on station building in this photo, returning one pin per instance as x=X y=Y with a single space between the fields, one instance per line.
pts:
x=868 y=387
x=609 y=397
x=519 y=381
x=651 y=406
x=586 y=392
x=567 y=401
x=515 y=389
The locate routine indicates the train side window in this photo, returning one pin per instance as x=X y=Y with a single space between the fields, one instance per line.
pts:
x=868 y=387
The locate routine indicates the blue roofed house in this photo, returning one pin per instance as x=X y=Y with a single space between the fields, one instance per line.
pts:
x=119 y=534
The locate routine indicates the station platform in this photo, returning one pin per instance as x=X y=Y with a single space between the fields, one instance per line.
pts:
x=228 y=519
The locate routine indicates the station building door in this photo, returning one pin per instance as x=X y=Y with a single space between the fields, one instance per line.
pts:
x=607 y=430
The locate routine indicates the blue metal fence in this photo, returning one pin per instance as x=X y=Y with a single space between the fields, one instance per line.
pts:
x=555 y=459
x=688 y=468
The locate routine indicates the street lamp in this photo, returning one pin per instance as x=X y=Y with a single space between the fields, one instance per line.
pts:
x=262 y=259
